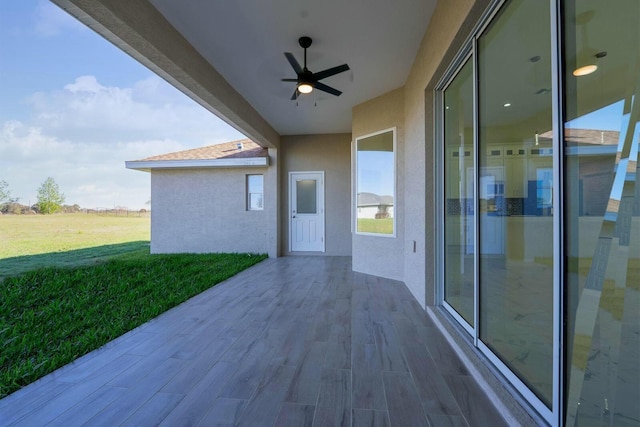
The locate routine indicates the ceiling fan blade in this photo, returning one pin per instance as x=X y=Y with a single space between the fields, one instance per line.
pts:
x=295 y=95
x=288 y=80
x=330 y=72
x=323 y=87
x=294 y=63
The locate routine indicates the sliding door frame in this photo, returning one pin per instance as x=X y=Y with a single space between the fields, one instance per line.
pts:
x=469 y=51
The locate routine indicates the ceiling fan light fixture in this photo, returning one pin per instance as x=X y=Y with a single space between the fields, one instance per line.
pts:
x=305 y=88
x=307 y=81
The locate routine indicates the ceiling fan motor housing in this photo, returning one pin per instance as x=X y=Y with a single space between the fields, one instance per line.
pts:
x=305 y=41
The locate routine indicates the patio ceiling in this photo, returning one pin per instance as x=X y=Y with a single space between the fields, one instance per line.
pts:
x=244 y=42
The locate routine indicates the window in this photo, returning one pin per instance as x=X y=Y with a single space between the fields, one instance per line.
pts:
x=255 y=192
x=375 y=183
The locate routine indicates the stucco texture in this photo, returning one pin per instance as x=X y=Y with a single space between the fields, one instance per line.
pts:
x=434 y=55
x=383 y=255
x=410 y=109
x=330 y=153
x=204 y=210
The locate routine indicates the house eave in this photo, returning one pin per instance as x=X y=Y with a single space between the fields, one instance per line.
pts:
x=148 y=166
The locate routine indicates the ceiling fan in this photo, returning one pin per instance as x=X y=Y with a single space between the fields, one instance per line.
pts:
x=306 y=81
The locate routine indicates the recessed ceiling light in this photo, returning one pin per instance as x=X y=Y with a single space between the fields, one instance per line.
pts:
x=585 y=70
x=508 y=104
x=589 y=65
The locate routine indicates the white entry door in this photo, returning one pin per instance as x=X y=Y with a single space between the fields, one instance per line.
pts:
x=306 y=211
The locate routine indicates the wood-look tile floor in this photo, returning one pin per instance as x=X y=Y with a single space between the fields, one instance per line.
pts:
x=294 y=341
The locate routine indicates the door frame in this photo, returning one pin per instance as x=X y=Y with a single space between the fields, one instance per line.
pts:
x=321 y=206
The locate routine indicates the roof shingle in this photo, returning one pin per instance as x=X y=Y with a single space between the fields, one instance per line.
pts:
x=243 y=148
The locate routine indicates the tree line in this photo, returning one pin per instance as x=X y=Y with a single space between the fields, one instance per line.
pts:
x=49 y=199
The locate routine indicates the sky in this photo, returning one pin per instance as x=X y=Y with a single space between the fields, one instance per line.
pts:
x=376 y=172
x=74 y=107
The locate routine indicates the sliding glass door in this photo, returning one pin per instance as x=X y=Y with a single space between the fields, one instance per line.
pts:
x=459 y=191
x=541 y=203
x=515 y=183
x=602 y=221
x=498 y=187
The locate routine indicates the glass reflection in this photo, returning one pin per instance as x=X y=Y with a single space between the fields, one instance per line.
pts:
x=515 y=184
x=603 y=213
x=459 y=192
x=375 y=184
x=255 y=188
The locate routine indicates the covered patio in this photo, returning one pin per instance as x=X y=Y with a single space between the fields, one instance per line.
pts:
x=297 y=341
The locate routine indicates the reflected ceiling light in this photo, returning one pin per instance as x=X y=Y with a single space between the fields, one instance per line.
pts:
x=586 y=58
x=305 y=87
x=590 y=65
x=585 y=70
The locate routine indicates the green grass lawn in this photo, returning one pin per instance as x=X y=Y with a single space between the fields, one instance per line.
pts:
x=71 y=283
x=28 y=242
x=382 y=226
x=52 y=316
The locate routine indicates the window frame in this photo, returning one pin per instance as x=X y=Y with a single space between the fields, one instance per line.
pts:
x=248 y=193
x=469 y=50
x=354 y=211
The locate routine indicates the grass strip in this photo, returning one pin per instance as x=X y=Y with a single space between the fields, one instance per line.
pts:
x=71 y=258
x=379 y=226
x=52 y=316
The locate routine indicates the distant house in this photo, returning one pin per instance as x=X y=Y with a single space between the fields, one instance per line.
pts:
x=208 y=199
x=373 y=206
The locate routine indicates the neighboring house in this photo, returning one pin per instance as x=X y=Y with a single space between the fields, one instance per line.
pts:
x=518 y=235
x=373 y=206
x=208 y=199
x=203 y=200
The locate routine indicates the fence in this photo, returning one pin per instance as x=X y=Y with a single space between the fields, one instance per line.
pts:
x=119 y=211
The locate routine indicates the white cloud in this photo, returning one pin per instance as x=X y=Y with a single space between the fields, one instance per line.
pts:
x=82 y=134
x=85 y=84
x=92 y=175
x=86 y=111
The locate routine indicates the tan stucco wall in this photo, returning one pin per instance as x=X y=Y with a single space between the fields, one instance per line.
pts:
x=383 y=256
x=272 y=197
x=330 y=153
x=410 y=108
x=204 y=210
x=435 y=53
